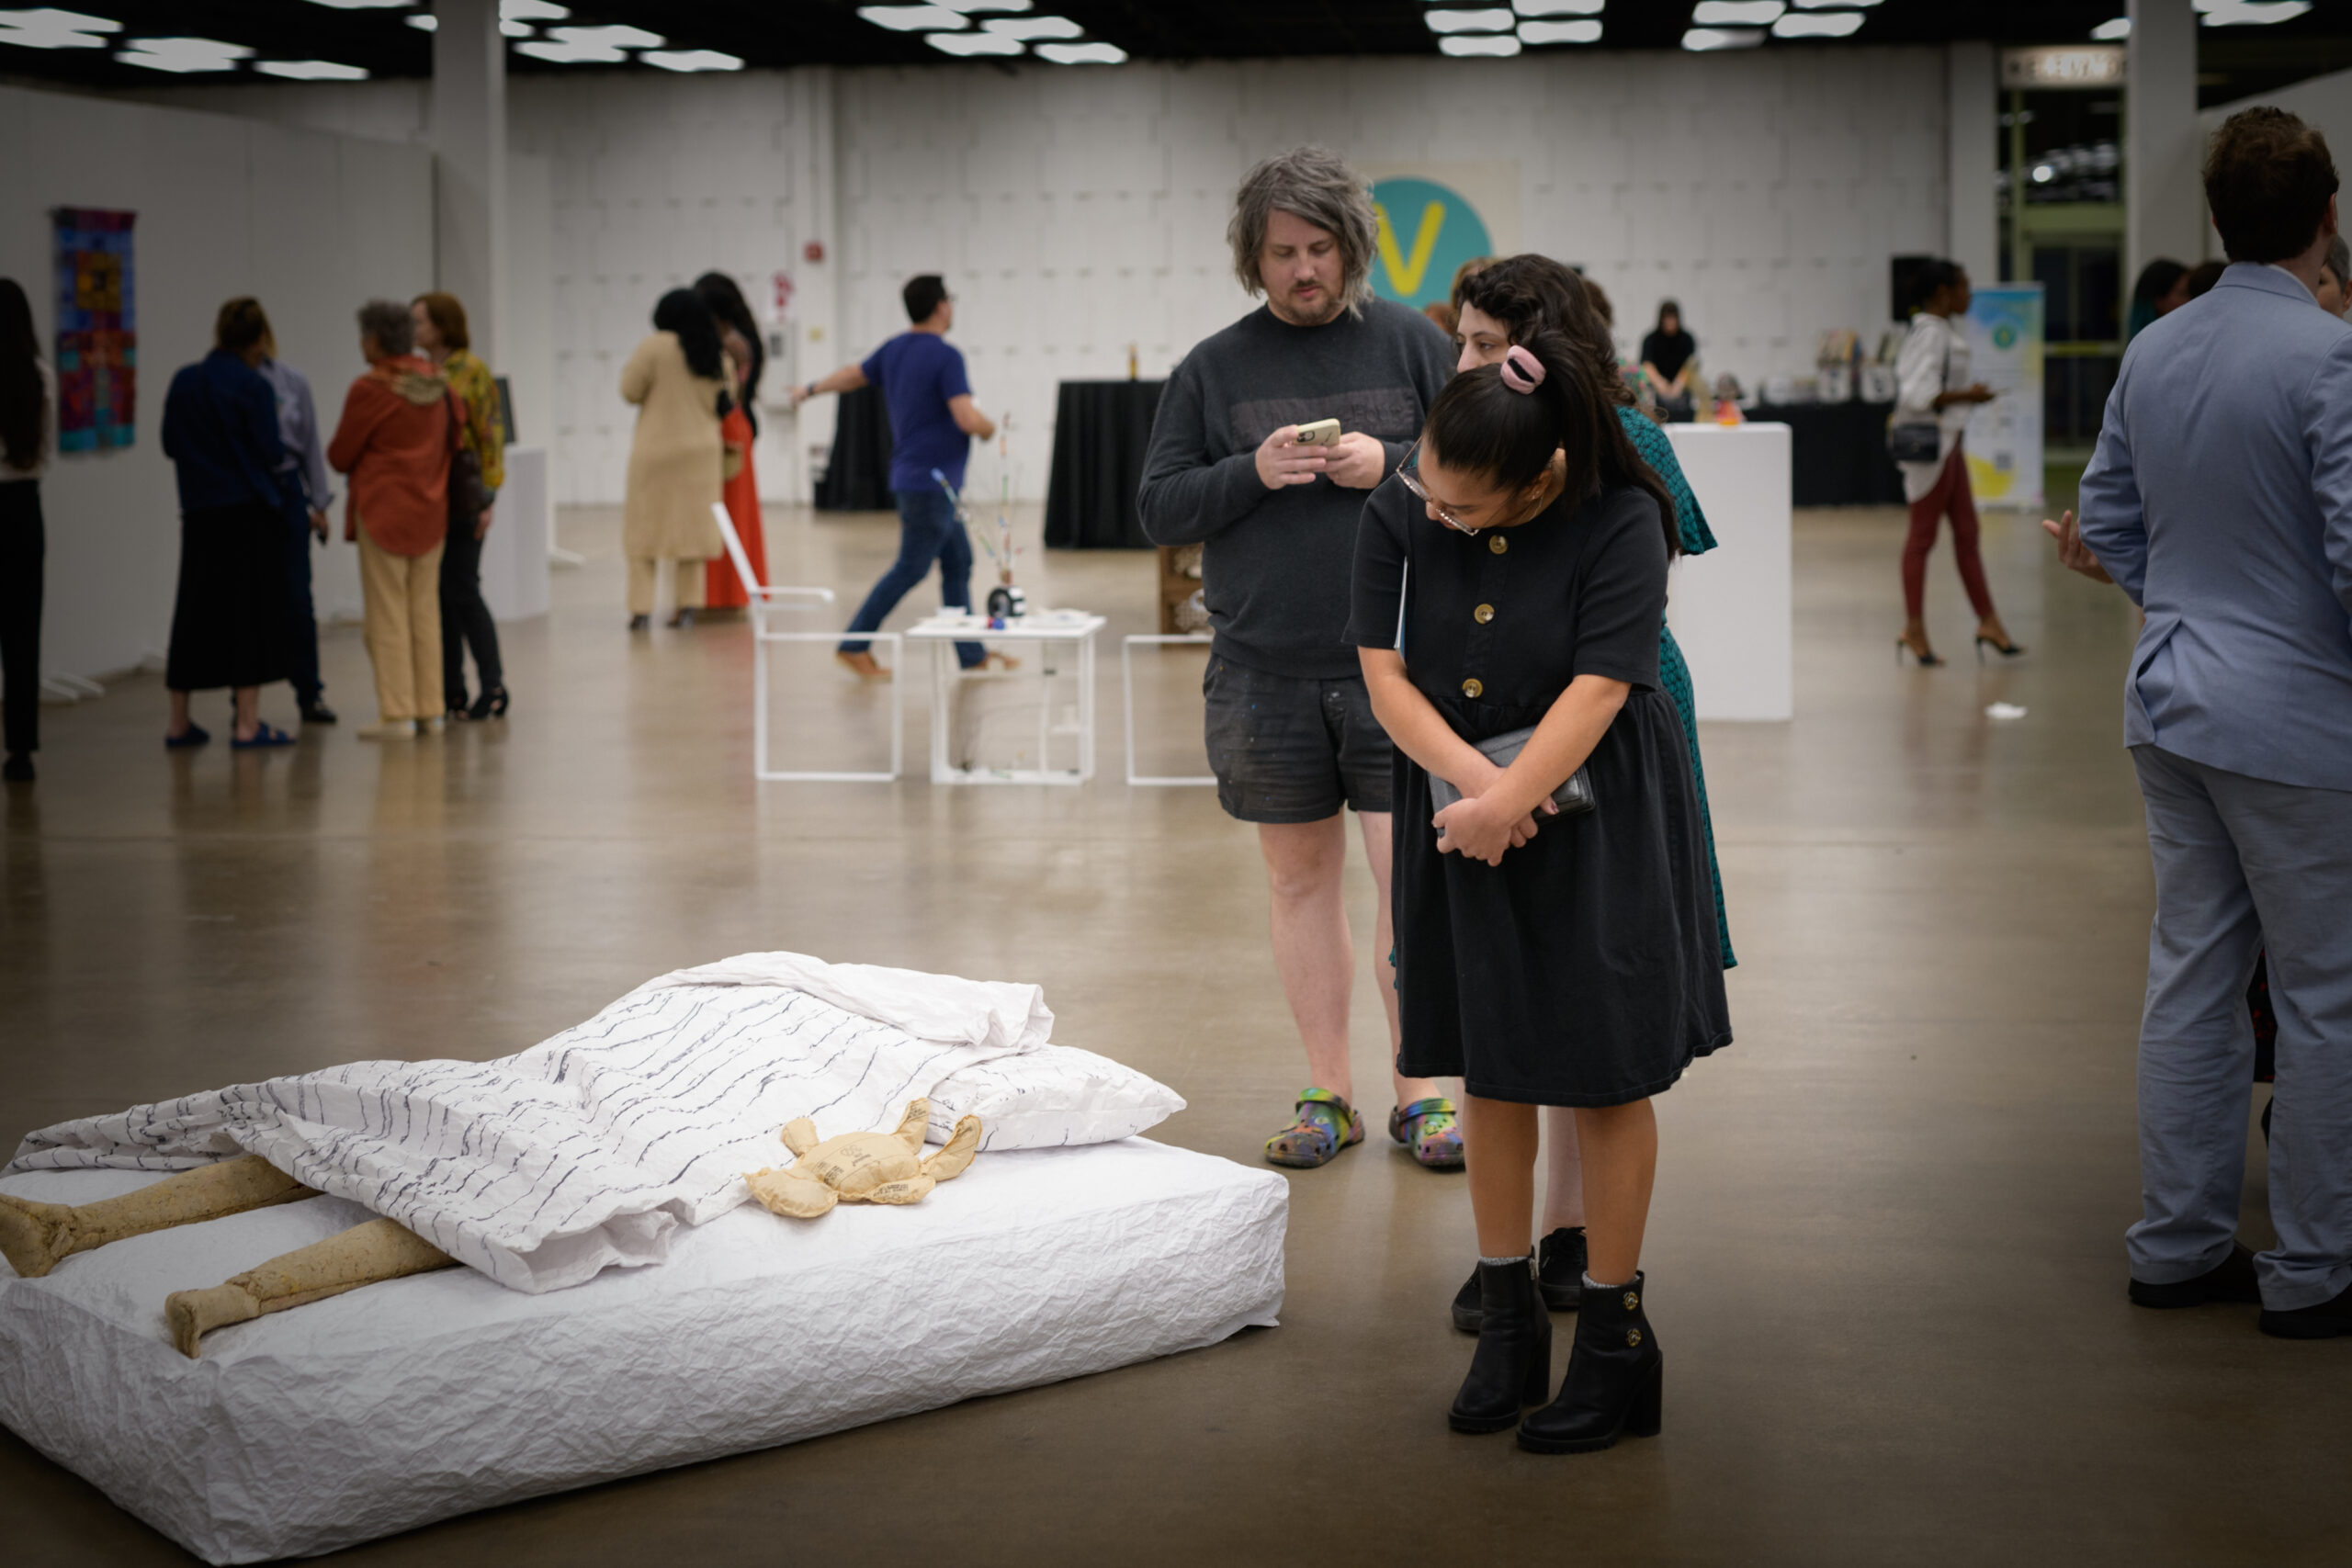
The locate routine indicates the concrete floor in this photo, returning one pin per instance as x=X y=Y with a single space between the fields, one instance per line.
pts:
x=1886 y=1256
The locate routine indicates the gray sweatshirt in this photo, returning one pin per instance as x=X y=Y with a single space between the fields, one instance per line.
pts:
x=1278 y=564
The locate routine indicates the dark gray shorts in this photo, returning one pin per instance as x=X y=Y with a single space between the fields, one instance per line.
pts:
x=1292 y=747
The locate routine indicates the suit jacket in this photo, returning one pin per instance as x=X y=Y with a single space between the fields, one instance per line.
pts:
x=2220 y=499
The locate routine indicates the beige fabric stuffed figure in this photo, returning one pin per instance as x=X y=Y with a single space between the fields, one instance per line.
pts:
x=36 y=1237
x=863 y=1168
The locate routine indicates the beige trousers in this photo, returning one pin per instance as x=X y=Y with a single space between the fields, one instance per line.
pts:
x=642 y=571
x=402 y=594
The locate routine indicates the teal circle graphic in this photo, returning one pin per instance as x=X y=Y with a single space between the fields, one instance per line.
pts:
x=1429 y=230
x=2005 y=337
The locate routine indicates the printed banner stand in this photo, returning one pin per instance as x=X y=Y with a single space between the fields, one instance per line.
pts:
x=2004 y=444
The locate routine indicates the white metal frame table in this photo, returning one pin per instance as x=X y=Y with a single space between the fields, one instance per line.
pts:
x=1047 y=629
x=1127 y=646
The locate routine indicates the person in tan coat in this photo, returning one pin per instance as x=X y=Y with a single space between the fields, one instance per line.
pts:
x=395 y=439
x=676 y=461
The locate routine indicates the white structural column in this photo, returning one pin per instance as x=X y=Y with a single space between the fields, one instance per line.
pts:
x=1972 y=150
x=2163 y=208
x=468 y=125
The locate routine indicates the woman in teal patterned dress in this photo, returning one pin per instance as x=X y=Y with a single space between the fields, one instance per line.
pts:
x=1496 y=306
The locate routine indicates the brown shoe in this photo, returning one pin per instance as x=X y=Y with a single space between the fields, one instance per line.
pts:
x=864 y=665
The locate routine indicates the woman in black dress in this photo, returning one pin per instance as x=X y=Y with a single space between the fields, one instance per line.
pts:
x=1514 y=581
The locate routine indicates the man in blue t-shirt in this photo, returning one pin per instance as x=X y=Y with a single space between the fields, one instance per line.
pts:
x=932 y=421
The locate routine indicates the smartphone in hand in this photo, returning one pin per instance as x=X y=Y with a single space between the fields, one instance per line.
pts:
x=1322 y=433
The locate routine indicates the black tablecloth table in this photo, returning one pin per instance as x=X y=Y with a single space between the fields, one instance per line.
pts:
x=1836 y=452
x=1100 y=429
x=857 y=475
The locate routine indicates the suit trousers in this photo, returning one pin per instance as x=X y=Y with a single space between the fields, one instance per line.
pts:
x=23 y=544
x=644 y=571
x=402 y=595
x=2241 y=863
x=465 y=617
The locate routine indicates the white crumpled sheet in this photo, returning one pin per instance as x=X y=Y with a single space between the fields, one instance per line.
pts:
x=421 y=1398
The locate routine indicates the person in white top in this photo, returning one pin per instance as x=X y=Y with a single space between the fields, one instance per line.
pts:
x=1932 y=376
x=27 y=430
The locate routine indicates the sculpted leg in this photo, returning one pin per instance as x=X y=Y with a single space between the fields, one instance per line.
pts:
x=955 y=1154
x=36 y=1237
x=364 y=1254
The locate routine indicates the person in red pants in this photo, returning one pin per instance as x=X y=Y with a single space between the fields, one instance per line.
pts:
x=1932 y=381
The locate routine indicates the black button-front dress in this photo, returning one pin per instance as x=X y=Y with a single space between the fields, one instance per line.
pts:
x=1586 y=968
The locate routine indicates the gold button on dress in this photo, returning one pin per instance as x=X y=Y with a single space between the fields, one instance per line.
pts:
x=1472 y=688
x=1498 y=543
x=1483 y=613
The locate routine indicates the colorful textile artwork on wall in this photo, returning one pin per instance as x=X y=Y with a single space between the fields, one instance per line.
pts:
x=97 y=330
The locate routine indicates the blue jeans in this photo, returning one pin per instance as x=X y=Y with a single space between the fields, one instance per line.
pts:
x=928 y=531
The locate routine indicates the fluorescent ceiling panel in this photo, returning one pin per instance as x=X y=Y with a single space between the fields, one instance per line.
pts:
x=974 y=43
x=55 y=29
x=1736 y=13
x=1819 y=24
x=424 y=21
x=182 y=55
x=532 y=11
x=1083 y=53
x=563 y=54
x=1028 y=29
x=1701 y=40
x=1585 y=30
x=2252 y=13
x=310 y=70
x=1557 y=8
x=1833 y=5
x=2113 y=30
x=1491 y=19
x=970 y=5
x=518 y=30
x=362 y=4
x=692 y=60
x=608 y=37
x=912 y=18
x=1476 y=44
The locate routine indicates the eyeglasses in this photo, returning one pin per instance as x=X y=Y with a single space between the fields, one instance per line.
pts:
x=1405 y=472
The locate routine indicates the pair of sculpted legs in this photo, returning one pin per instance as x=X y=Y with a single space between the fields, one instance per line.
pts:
x=35 y=1237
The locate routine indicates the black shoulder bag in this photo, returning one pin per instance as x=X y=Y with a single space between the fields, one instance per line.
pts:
x=1921 y=441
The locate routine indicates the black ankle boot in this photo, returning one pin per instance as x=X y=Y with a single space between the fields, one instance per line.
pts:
x=1559 y=1277
x=1616 y=1380
x=1512 y=1365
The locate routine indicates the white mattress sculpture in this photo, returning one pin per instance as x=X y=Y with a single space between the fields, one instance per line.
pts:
x=625 y=1308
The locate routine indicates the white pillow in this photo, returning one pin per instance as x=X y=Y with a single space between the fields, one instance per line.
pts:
x=1050 y=1098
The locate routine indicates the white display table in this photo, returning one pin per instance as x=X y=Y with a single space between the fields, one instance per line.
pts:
x=1049 y=630
x=514 y=551
x=1731 y=609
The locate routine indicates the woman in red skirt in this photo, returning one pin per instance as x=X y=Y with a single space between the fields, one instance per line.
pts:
x=738 y=337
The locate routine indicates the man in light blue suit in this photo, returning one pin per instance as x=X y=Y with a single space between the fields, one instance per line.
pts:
x=2220 y=499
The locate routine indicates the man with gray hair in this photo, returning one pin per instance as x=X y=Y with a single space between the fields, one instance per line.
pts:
x=1290 y=730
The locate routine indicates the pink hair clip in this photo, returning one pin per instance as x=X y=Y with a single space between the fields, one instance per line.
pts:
x=1521 y=371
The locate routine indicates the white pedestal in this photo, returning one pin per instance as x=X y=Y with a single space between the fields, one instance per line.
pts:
x=1071 y=629
x=515 y=552
x=1731 y=609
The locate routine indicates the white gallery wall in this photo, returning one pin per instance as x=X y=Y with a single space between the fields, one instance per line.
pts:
x=309 y=223
x=1076 y=211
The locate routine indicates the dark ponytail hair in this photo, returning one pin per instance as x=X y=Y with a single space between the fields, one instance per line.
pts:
x=683 y=311
x=24 y=416
x=727 y=303
x=1934 y=277
x=1479 y=425
x=1530 y=294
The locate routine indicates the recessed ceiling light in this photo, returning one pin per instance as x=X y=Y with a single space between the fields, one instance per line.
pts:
x=1476 y=43
x=609 y=37
x=1083 y=53
x=1820 y=24
x=1736 y=13
x=424 y=21
x=1701 y=40
x=2044 y=173
x=1557 y=8
x=969 y=44
x=1493 y=20
x=2250 y=13
x=1584 y=30
x=1030 y=28
x=182 y=55
x=564 y=53
x=532 y=11
x=912 y=18
x=692 y=60
x=310 y=70
x=55 y=29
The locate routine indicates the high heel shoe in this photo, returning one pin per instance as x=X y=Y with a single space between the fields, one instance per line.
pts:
x=1615 y=1386
x=1512 y=1365
x=1927 y=660
x=490 y=704
x=2006 y=650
